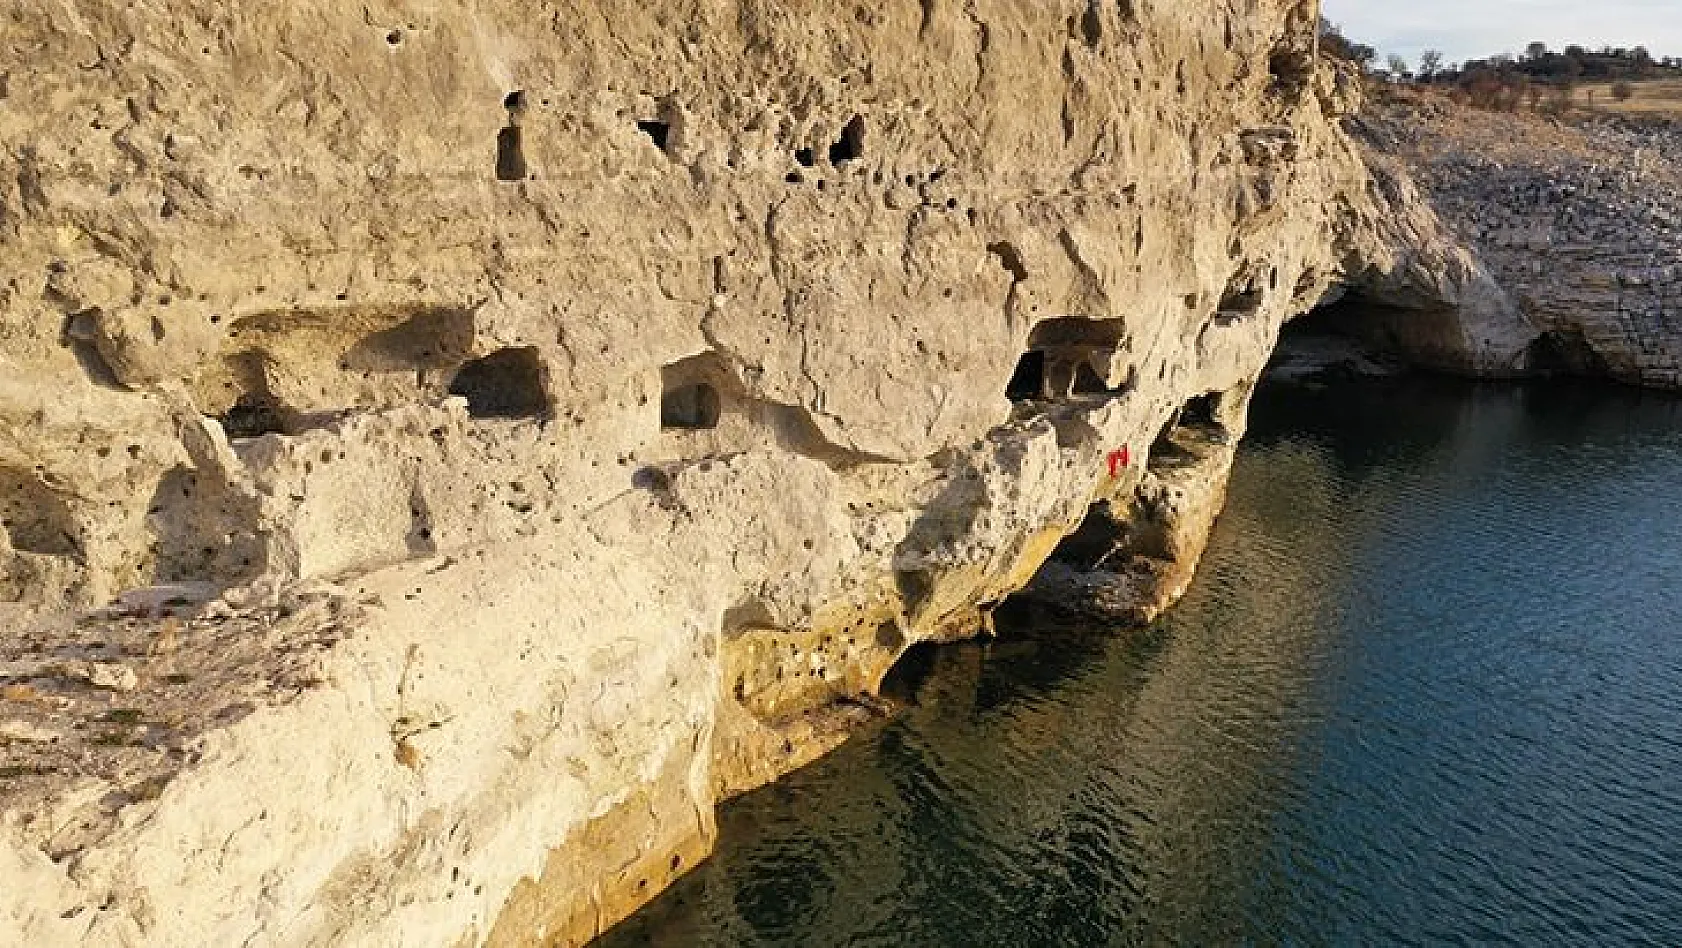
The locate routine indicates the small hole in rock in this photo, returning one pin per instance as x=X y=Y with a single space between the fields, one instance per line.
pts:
x=507 y=383
x=1092 y=25
x=36 y=517
x=694 y=406
x=851 y=144
x=255 y=414
x=510 y=156
x=1202 y=411
x=658 y=132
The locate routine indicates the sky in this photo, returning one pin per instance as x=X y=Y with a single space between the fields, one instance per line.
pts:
x=1475 y=29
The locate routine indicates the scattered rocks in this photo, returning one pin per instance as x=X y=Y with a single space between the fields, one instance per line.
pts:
x=1577 y=220
x=107 y=675
x=15 y=730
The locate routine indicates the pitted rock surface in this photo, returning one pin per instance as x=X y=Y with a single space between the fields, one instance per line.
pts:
x=512 y=428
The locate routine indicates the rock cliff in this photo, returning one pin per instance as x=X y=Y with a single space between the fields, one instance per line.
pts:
x=1578 y=221
x=487 y=435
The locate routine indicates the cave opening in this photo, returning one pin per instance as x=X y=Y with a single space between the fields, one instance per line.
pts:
x=850 y=146
x=1102 y=538
x=691 y=407
x=692 y=392
x=34 y=516
x=1339 y=314
x=1565 y=352
x=253 y=415
x=1351 y=335
x=1198 y=420
x=510 y=145
x=1240 y=299
x=1068 y=356
x=508 y=383
x=908 y=675
x=510 y=155
x=1202 y=411
x=1291 y=70
x=1027 y=383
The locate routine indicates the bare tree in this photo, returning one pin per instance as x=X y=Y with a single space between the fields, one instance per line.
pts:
x=1398 y=67
x=1429 y=62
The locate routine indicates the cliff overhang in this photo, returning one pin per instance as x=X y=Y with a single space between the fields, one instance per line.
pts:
x=475 y=441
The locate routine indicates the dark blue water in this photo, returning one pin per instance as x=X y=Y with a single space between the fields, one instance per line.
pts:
x=1426 y=690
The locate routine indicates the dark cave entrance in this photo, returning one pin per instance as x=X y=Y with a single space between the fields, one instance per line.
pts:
x=510 y=155
x=1087 y=381
x=850 y=146
x=1565 y=353
x=1350 y=336
x=254 y=410
x=508 y=383
x=1188 y=433
x=1344 y=313
x=692 y=407
x=690 y=394
x=253 y=415
x=1027 y=383
x=1202 y=411
x=510 y=145
x=1066 y=357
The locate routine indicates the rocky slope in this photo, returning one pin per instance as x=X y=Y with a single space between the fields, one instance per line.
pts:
x=1580 y=222
x=492 y=434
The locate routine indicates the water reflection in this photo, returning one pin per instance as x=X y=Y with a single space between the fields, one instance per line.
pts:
x=1427 y=687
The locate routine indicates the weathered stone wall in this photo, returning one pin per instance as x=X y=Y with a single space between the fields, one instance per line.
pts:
x=583 y=404
x=1578 y=221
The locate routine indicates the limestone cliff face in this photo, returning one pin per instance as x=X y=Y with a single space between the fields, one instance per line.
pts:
x=552 y=418
x=1576 y=221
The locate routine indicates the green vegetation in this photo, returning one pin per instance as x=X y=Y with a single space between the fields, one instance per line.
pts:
x=1617 y=79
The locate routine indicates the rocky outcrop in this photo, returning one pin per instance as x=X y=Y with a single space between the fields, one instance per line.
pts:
x=490 y=435
x=1576 y=222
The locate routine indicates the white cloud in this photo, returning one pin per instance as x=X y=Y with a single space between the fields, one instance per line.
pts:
x=1464 y=29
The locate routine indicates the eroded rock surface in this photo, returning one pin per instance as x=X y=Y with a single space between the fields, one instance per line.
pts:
x=1580 y=222
x=562 y=416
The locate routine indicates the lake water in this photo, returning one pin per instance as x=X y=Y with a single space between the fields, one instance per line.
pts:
x=1427 y=689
